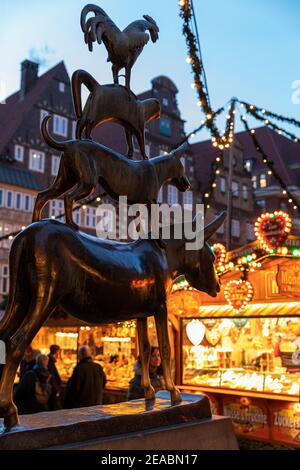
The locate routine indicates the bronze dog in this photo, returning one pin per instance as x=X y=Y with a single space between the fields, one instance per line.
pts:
x=112 y=103
x=85 y=163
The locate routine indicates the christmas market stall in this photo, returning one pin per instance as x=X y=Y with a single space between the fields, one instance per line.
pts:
x=243 y=348
x=114 y=346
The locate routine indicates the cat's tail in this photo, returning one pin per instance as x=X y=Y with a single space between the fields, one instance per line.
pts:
x=79 y=78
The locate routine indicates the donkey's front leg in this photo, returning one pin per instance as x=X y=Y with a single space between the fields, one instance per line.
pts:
x=144 y=347
x=161 y=320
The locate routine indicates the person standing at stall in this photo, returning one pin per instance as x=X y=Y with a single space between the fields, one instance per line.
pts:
x=35 y=388
x=136 y=390
x=54 y=356
x=85 y=387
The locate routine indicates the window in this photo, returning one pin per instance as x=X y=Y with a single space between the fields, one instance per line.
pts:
x=60 y=125
x=248 y=165
x=188 y=200
x=165 y=127
x=74 y=125
x=235 y=189
x=262 y=180
x=4 y=280
x=19 y=201
x=61 y=87
x=182 y=159
x=261 y=203
x=90 y=217
x=222 y=185
x=77 y=216
x=36 y=161
x=105 y=224
x=9 y=199
x=254 y=182
x=235 y=228
x=245 y=192
x=147 y=150
x=172 y=195
x=165 y=102
x=19 y=153
x=54 y=165
x=27 y=203
x=43 y=114
x=160 y=196
x=250 y=231
x=56 y=208
x=1 y=197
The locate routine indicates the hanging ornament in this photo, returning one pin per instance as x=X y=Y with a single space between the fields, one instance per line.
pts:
x=240 y=322
x=238 y=293
x=220 y=253
x=195 y=331
x=213 y=336
x=272 y=229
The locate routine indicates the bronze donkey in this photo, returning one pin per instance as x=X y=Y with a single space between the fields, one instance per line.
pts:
x=55 y=268
x=85 y=163
x=111 y=103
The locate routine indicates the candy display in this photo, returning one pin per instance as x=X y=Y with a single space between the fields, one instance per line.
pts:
x=257 y=355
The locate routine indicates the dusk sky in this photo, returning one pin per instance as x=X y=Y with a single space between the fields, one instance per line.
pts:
x=250 y=48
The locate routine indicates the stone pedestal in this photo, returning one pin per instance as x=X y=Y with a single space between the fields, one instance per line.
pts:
x=125 y=426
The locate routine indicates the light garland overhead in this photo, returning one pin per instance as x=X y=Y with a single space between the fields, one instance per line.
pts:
x=254 y=112
x=270 y=165
x=194 y=59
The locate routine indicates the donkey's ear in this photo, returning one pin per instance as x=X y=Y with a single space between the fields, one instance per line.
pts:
x=177 y=153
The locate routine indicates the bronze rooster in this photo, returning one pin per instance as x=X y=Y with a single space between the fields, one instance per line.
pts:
x=123 y=47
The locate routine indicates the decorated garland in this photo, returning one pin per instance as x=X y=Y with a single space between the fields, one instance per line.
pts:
x=250 y=109
x=270 y=165
x=194 y=58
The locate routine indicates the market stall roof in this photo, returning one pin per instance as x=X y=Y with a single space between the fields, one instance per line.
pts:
x=280 y=309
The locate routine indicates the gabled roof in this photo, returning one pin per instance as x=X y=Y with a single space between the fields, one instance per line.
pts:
x=283 y=151
x=18 y=177
x=14 y=111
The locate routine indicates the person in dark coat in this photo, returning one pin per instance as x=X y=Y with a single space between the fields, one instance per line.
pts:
x=136 y=390
x=35 y=388
x=55 y=401
x=85 y=387
x=29 y=360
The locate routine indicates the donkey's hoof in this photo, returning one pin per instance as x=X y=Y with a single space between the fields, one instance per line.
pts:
x=175 y=397
x=149 y=403
x=11 y=418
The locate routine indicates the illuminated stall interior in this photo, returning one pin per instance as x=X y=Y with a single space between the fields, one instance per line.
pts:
x=114 y=346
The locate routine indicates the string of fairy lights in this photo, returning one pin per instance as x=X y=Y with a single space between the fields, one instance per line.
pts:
x=223 y=142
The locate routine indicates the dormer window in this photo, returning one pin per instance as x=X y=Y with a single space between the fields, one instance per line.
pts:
x=61 y=87
x=165 y=102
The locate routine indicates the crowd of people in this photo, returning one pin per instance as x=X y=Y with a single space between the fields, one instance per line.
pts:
x=40 y=387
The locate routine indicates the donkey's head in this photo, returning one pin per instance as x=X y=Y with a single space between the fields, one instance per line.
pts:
x=199 y=267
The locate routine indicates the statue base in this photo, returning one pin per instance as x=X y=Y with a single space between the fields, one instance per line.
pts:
x=125 y=426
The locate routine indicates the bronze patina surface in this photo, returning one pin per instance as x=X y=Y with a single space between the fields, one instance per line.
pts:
x=85 y=163
x=66 y=426
x=123 y=47
x=55 y=268
x=111 y=103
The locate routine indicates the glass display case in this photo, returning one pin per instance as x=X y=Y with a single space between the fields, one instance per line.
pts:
x=257 y=354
